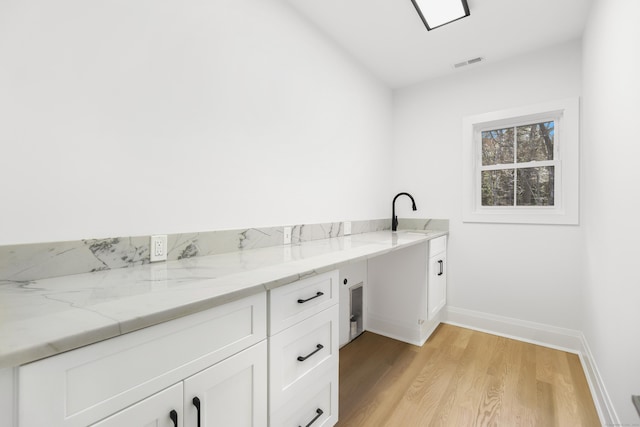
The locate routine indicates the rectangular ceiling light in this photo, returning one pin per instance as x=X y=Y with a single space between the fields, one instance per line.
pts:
x=436 y=13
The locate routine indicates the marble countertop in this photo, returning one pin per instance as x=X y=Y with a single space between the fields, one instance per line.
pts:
x=45 y=317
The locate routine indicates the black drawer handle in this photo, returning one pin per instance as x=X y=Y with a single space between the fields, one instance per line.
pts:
x=303 y=358
x=196 y=403
x=302 y=301
x=174 y=417
x=441 y=267
x=319 y=414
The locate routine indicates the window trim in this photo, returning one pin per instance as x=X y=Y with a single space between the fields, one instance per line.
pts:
x=565 y=113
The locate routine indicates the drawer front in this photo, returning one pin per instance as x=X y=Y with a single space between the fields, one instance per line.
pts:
x=290 y=304
x=82 y=386
x=299 y=352
x=316 y=405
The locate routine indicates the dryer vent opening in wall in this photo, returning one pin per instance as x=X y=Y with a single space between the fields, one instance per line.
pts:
x=468 y=62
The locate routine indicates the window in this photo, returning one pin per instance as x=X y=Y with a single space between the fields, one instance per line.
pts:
x=521 y=165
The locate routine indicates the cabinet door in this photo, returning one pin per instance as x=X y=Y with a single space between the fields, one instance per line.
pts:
x=437 y=297
x=232 y=393
x=163 y=409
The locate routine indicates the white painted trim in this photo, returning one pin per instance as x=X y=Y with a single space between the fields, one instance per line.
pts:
x=535 y=333
x=601 y=398
x=568 y=340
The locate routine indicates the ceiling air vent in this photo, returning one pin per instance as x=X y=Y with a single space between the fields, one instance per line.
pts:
x=468 y=62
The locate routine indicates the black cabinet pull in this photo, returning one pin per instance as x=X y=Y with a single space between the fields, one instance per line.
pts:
x=303 y=358
x=174 y=417
x=441 y=267
x=302 y=301
x=196 y=403
x=319 y=414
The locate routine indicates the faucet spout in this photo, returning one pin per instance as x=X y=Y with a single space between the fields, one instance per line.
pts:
x=394 y=218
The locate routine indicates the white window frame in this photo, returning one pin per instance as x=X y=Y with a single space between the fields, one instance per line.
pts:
x=565 y=113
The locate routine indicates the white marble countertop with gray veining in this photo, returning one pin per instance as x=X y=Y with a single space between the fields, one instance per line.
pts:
x=45 y=317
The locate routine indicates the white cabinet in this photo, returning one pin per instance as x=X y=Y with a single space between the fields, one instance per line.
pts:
x=92 y=383
x=437 y=286
x=407 y=290
x=300 y=300
x=315 y=405
x=232 y=393
x=303 y=353
x=397 y=294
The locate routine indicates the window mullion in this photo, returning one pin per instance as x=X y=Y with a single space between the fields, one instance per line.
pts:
x=536 y=164
x=503 y=166
x=515 y=169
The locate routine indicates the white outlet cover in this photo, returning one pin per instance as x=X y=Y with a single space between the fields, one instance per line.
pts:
x=286 y=233
x=158 y=248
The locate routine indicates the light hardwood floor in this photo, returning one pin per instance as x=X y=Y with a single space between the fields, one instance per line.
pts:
x=461 y=377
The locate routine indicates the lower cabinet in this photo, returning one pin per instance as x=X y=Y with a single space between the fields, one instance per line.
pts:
x=406 y=291
x=231 y=393
x=315 y=405
x=218 y=356
x=437 y=282
x=218 y=367
x=303 y=354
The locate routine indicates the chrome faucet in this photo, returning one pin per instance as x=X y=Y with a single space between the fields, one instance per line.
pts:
x=394 y=218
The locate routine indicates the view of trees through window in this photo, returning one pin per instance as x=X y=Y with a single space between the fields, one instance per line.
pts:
x=518 y=165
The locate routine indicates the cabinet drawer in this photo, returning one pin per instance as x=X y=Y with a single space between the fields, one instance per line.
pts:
x=85 y=385
x=295 y=302
x=299 y=352
x=317 y=403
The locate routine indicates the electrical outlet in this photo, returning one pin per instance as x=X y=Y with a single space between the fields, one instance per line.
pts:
x=347 y=228
x=286 y=236
x=158 y=248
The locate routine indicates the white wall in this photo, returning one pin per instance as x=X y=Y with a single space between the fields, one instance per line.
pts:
x=611 y=207
x=528 y=272
x=160 y=116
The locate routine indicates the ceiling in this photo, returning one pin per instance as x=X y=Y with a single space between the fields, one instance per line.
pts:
x=388 y=37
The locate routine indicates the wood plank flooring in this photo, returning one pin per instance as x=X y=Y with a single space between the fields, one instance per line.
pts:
x=461 y=377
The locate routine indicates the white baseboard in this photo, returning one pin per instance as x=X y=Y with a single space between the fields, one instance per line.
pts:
x=569 y=340
x=604 y=406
